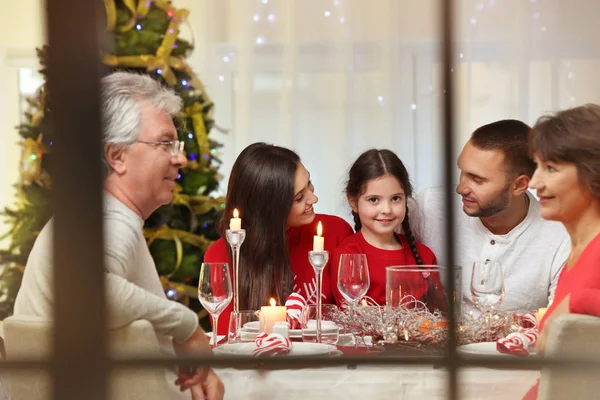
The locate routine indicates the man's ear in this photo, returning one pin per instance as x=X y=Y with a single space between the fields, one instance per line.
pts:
x=520 y=185
x=353 y=203
x=115 y=156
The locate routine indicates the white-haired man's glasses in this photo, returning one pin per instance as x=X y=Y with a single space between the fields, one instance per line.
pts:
x=175 y=146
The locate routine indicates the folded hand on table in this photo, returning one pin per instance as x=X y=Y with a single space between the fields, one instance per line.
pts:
x=211 y=389
x=196 y=345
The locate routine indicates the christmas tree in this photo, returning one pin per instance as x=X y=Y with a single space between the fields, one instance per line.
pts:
x=142 y=36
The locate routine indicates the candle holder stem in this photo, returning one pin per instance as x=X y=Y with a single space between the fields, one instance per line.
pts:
x=318 y=260
x=235 y=238
x=318 y=305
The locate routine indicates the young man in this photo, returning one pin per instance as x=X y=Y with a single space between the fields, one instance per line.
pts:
x=499 y=219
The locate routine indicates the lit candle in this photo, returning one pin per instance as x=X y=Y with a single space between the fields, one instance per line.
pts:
x=235 y=223
x=269 y=315
x=319 y=240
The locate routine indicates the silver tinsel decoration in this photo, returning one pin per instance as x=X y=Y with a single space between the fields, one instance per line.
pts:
x=413 y=323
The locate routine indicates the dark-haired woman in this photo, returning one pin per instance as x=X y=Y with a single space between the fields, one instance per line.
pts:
x=273 y=192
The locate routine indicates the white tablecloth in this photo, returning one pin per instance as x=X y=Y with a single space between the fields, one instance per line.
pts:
x=374 y=382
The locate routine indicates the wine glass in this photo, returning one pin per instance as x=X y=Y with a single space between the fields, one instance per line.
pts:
x=353 y=283
x=214 y=292
x=487 y=285
x=353 y=277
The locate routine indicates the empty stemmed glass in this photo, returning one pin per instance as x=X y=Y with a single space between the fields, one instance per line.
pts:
x=214 y=292
x=353 y=277
x=353 y=282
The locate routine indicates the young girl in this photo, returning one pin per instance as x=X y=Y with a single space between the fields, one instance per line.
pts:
x=377 y=189
x=274 y=195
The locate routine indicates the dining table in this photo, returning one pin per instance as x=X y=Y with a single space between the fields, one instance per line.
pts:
x=376 y=381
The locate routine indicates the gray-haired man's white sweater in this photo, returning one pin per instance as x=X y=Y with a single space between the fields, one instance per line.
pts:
x=133 y=288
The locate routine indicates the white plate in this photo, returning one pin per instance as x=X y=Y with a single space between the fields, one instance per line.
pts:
x=210 y=335
x=298 y=349
x=485 y=348
x=294 y=333
x=254 y=327
x=326 y=326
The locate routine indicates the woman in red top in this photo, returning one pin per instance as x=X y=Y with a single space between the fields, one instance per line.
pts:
x=274 y=195
x=566 y=148
x=377 y=189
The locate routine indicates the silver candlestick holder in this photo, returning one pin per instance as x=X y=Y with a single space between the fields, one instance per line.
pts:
x=235 y=238
x=318 y=260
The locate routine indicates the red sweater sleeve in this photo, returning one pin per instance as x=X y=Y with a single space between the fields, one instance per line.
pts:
x=217 y=253
x=334 y=263
x=585 y=301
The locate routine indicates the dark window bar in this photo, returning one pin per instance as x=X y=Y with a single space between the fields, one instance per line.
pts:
x=447 y=14
x=79 y=367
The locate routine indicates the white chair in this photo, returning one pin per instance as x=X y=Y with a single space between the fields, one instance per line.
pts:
x=572 y=335
x=31 y=338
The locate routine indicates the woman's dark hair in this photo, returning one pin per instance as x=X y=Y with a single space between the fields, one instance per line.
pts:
x=374 y=164
x=261 y=187
x=571 y=135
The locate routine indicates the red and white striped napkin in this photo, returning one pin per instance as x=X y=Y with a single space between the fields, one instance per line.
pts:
x=517 y=343
x=294 y=307
x=525 y=321
x=272 y=344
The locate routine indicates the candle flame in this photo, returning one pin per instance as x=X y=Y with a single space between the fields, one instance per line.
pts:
x=320 y=229
x=236 y=213
x=272 y=302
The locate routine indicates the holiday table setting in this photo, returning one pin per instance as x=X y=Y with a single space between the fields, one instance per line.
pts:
x=412 y=324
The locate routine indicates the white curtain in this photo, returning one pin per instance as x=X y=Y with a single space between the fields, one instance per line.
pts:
x=332 y=78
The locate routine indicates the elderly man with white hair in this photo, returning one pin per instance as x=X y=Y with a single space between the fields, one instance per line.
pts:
x=141 y=158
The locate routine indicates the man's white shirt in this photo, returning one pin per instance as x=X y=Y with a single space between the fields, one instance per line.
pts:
x=531 y=255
